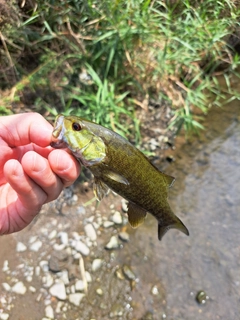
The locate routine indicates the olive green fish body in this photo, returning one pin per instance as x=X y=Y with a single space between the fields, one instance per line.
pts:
x=118 y=165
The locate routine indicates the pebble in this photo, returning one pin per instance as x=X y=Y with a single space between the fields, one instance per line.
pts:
x=99 y=291
x=59 y=247
x=96 y=264
x=81 y=210
x=82 y=248
x=116 y=311
x=21 y=247
x=63 y=275
x=35 y=246
x=5 y=266
x=47 y=280
x=4 y=316
x=79 y=285
x=49 y=312
x=52 y=234
x=75 y=298
x=32 y=289
x=128 y=273
x=117 y=218
x=124 y=236
x=108 y=224
x=58 y=290
x=90 y=232
x=112 y=244
x=44 y=266
x=19 y=288
x=63 y=237
x=6 y=286
x=124 y=205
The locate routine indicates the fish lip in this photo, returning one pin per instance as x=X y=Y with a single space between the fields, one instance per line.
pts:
x=60 y=144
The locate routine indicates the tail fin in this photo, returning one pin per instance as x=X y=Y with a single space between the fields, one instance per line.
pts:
x=176 y=224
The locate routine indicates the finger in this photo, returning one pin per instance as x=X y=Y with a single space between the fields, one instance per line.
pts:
x=22 y=129
x=31 y=196
x=39 y=170
x=65 y=166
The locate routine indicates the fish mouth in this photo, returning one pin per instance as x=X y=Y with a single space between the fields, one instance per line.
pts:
x=59 y=144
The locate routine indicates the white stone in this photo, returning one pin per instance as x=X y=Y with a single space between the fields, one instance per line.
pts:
x=82 y=248
x=75 y=298
x=59 y=306
x=32 y=239
x=79 y=285
x=59 y=247
x=90 y=232
x=52 y=234
x=108 y=224
x=117 y=217
x=47 y=280
x=32 y=289
x=63 y=275
x=5 y=266
x=96 y=264
x=19 y=288
x=35 y=246
x=88 y=276
x=63 y=237
x=58 y=290
x=44 y=265
x=113 y=243
x=21 y=247
x=6 y=286
x=49 y=312
x=4 y=316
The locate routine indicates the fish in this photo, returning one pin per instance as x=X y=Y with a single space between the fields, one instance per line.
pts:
x=118 y=165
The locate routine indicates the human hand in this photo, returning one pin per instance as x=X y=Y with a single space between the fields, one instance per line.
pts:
x=31 y=172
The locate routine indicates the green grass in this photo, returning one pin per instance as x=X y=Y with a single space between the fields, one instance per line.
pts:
x=94 y=58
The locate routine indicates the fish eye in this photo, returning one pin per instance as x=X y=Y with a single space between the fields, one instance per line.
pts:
x=76 y=126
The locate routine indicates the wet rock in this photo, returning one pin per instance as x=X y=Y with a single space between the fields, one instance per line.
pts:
x=96 y=264
x=201 y=297
x=4 y=316
x=124 y=236
x=119 y=274
x=58 y=290
x=128 y=273
x=116 y=311
x=21 y=247
x=90 y=232
x=112 y=244
x=82 y=248
x=35 y=246
x=75 y=298
x=49 y=312
x=19 y=288
x=117 y=218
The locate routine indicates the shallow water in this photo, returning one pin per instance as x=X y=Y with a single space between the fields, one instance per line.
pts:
x=206 y=197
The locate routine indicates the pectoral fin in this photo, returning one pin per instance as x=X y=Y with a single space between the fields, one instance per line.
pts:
x=100 y=189
x=136 y=215
x=116 y=177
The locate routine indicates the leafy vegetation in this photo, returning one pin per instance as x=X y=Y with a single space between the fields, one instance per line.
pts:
x=100 y=59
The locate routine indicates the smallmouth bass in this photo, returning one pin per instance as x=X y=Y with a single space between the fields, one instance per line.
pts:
x=117 y=165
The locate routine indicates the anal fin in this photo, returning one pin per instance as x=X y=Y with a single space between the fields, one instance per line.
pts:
x=136 y=215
